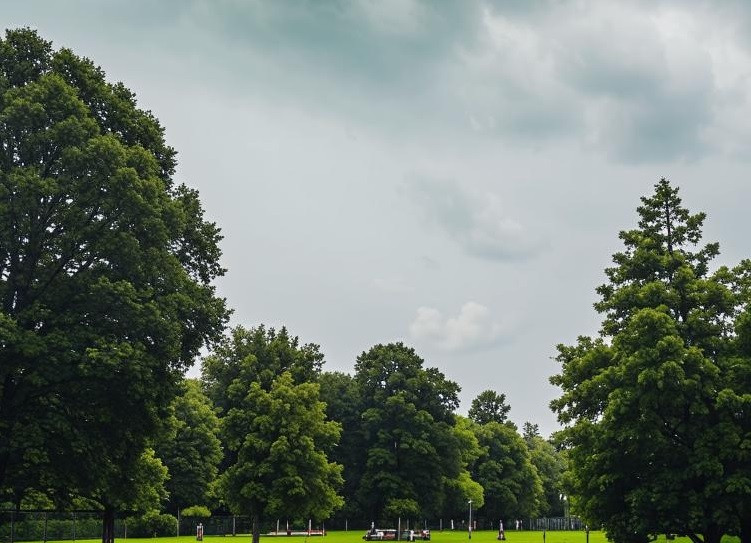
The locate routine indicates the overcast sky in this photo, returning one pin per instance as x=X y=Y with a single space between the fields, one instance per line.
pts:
x=451 y=174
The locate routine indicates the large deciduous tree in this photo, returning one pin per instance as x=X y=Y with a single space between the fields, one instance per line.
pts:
x=106 y=271
x=409 y=447
x=657 y=409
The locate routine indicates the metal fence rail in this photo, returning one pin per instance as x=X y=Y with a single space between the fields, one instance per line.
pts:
x=20 y=526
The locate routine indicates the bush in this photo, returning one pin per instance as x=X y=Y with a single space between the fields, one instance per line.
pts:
x=152 y=524
x=198 y=511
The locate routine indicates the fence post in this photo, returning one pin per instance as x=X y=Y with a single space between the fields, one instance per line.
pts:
x=45 y=527
x=11 y=527
x=74 y=526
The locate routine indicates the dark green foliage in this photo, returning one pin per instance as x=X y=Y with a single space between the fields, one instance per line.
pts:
x=105 y=277
x=657 y=411
x=550 y=465
x=280 y=438
x=152 y=524
x=530 y=431
x=409 y=448
x=505 y=470
x=341 y=395
x=458 y=490
x=191 y=451
x=489 y=406
x=273 y=427
x=257 y=355
x=58 y=526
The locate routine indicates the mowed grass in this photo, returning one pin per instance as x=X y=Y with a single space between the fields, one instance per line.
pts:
x=355 y=536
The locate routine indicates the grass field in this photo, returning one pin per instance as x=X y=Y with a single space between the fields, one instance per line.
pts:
x=353 y=536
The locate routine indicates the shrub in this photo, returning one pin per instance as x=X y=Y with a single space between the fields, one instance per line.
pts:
x=152 y=524
x=198 y=511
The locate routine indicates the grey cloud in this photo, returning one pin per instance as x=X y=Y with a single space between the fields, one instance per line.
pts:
x=608 y=75
x=612 y=77
x=646 y=96
x=477 y=222
x=473 y=328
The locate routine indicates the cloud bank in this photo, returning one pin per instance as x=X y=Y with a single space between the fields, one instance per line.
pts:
x=472 y=328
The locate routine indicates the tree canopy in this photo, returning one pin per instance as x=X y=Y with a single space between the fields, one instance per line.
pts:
x=409 y=448
x=489 y=406
x=191 y=451
x=273 y=426
x=281 y=437
x=657 y=408
x=106 y=272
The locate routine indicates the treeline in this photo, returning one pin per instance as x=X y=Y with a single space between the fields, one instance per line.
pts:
x=266 y=425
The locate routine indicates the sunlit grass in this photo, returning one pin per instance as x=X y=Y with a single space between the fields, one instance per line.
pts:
x=355 y=536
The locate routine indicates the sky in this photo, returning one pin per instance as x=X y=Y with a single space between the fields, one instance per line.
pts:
x=450 y=174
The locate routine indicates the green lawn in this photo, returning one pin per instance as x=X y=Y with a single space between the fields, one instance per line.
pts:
x=355 y=536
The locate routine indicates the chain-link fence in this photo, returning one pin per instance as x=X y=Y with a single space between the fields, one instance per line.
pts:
x=63 y=526
x=458 y=524
x=47 y=525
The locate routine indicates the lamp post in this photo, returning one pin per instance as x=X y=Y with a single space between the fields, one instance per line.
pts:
x=564 y=499
x=470 y=519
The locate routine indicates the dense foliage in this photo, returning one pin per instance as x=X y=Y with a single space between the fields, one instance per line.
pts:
x=190 y=449
x=273 y=427
x=106 y=271
x=658 y=409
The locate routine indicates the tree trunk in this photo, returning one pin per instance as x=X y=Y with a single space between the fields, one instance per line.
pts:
x=713 y=534
x=745 y=529
x=256 y=527
x=108 y=524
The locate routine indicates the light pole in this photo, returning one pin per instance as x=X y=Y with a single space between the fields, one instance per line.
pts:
x=470 y=519
x=564 y=499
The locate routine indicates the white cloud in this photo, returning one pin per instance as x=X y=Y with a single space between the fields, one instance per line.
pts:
x=472 y=328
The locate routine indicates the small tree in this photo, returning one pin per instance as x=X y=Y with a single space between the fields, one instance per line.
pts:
x=489 y=406
x=191 y=449
x=511 y=484
x=280 y=438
